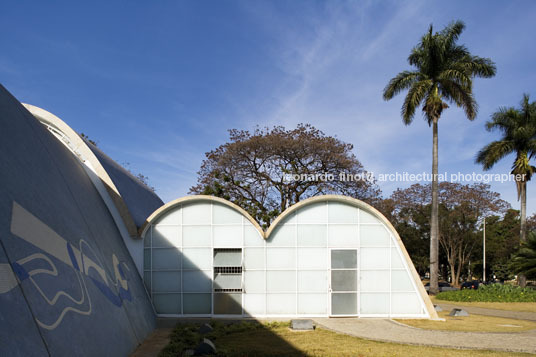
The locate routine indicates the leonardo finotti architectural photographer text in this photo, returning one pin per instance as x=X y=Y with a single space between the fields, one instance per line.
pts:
x=404 y=177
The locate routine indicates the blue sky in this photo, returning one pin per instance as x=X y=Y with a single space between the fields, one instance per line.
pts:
x=157 y=84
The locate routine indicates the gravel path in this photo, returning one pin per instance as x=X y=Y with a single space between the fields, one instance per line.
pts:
x=391 y=331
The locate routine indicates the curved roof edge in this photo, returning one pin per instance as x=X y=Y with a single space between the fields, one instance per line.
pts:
x=337 y=198
x=365 y=206
x=80 y=148
x=188 y=199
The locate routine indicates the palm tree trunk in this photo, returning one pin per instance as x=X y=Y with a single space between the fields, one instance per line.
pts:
x=434 y=226
x=523 y=218
x=522 y=279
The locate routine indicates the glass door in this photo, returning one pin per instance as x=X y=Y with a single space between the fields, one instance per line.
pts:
x=343 y=282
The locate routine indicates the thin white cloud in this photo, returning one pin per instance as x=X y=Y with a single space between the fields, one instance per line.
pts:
x=336 y=66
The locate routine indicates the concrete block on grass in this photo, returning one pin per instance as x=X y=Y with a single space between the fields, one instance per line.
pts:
x=302 y=325
x=458 y=312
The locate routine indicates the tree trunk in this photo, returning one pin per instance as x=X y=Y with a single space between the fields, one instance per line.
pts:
x=452 y=273
x=523 y=214
x=434 y=227
x=456 y=282
x=522 y=279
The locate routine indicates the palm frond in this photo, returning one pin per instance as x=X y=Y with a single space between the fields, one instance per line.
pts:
x=531 y=148
x=461 y=95
x=524 y=261
x=413 y=99
x=452 y=32
x=481 y=67
x=403 y=80
x=525 y=103
x=457 y=75
x=504 y=120
x=494 y=152
x=420 y=53
x=518 y=127
x=448 y=66
x=415 y=56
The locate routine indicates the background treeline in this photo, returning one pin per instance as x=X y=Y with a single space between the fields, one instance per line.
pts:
x=462 y=210
x=252 y=170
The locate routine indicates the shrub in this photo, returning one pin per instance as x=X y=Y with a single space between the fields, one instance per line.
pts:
x=187 y=336
x=491 y=293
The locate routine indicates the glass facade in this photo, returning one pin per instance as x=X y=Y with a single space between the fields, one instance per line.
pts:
x=326 y=258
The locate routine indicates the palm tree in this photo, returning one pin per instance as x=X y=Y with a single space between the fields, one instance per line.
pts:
x=443 y=73
x=518 y=128
x=524 y=261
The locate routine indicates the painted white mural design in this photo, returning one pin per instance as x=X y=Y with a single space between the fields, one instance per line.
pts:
x=82 y=259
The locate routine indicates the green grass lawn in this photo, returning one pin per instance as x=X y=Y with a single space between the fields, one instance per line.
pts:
x=276 y=339
x=509 y=306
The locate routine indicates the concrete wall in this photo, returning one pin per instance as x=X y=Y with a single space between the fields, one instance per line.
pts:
x=68 y=285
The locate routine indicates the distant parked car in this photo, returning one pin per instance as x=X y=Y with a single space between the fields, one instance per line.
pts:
x=470 y=285
x=443 y=286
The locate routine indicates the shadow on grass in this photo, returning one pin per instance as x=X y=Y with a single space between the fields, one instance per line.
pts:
x=232 y=338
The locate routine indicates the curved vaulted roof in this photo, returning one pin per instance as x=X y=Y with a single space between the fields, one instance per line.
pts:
x=190 y=199
x=265 y=234
x=118 y=183
x=139 y=199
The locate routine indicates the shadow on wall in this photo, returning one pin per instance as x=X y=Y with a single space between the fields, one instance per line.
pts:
x=196 y=292
x=180 y=287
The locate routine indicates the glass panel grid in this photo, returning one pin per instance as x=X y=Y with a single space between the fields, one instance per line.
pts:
x=194 y=272
x=392 y=263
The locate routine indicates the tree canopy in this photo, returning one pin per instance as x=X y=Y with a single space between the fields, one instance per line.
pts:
x=461 y=211
x=443 y=71
x=270 y=169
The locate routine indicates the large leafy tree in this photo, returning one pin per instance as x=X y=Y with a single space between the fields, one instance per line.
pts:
x=268 y=170
x=462 y=208
x=502 y=241
x=518 y=129
x=443 y=72
x=531 y=223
